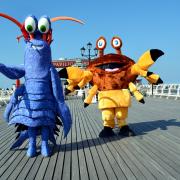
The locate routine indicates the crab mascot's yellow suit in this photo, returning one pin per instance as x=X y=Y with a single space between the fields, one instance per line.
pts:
x=113 y=77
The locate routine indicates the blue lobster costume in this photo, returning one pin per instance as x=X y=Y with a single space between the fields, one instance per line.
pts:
x=36 y=105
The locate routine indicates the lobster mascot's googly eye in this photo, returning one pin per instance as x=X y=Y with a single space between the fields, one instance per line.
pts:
x=30 y=24
x=43 y=25
x=101 y=43
x=116 y=42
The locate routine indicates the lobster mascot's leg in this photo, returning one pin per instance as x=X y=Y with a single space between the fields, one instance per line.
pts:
x=108 y=118
x=44 y=145
x=31 y=152
x=121 y=115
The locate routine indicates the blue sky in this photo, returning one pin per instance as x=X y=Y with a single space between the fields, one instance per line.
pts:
x=141 y=24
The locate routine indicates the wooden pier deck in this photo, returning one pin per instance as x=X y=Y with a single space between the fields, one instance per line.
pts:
x=154 y=153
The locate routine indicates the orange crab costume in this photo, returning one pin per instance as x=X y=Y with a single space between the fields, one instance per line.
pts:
x=112 y=76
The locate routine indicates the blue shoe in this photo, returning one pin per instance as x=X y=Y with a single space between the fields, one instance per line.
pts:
x=45 y=151
x=31 y=152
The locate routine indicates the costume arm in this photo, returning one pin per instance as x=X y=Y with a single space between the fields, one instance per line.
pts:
x=71 y=85
x=13 y=101
x=133 y=89
x=143 y=64
x=62 y=108
x=12 y=72
x=87 y=77
x=91 y=93
x=76 y=78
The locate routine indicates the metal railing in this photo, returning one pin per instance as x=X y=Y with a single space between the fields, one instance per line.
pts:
x=162 y=90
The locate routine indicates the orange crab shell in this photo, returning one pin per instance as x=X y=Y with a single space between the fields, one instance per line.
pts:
x=112 y=80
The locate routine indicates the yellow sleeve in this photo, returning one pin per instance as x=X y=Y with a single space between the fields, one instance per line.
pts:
x=137 y=94
x=136 y=70
x=87 y=77
x=77 y=76
x=74 y=73
x=91 y=93
x=154 y=79
x=145 y=61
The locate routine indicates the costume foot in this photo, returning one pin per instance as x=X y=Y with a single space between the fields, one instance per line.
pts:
x=45 y=151
x=126 y=131
x=31 y=152
x=106 y=132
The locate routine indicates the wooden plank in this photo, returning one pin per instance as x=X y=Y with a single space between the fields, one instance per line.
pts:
x=42 y=169
x=51 y=171
x=75 y=170
x=12 y=156
x=109 y=172
x=20 y=168
x=67 y=168
x=127 y=153
x=5 y=152
x=117 y=155
x=122 y=156
x=157 y=145
x=105 y=153
x=52 y=163
x=12 y=167
x=169 y=155
x=26 y=165
x=162 y=160
x=100 y=170
x=3 y=126
x=146 y=161
x=89 y=160
x=120 y=165
x=6 y=129
x=6 y=143
x=60 y=160
x=36 y=165
x=165 y=149
x=154 y=163
x=83 y=155
x=156 y=124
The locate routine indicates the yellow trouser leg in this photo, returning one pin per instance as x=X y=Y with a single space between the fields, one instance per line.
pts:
x=108 y=117
x=121 y=115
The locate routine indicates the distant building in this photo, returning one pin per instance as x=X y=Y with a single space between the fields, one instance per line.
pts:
x=63 y=62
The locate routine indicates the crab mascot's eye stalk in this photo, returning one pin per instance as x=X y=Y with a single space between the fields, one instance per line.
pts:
x=35 y=107
x=113 y=76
